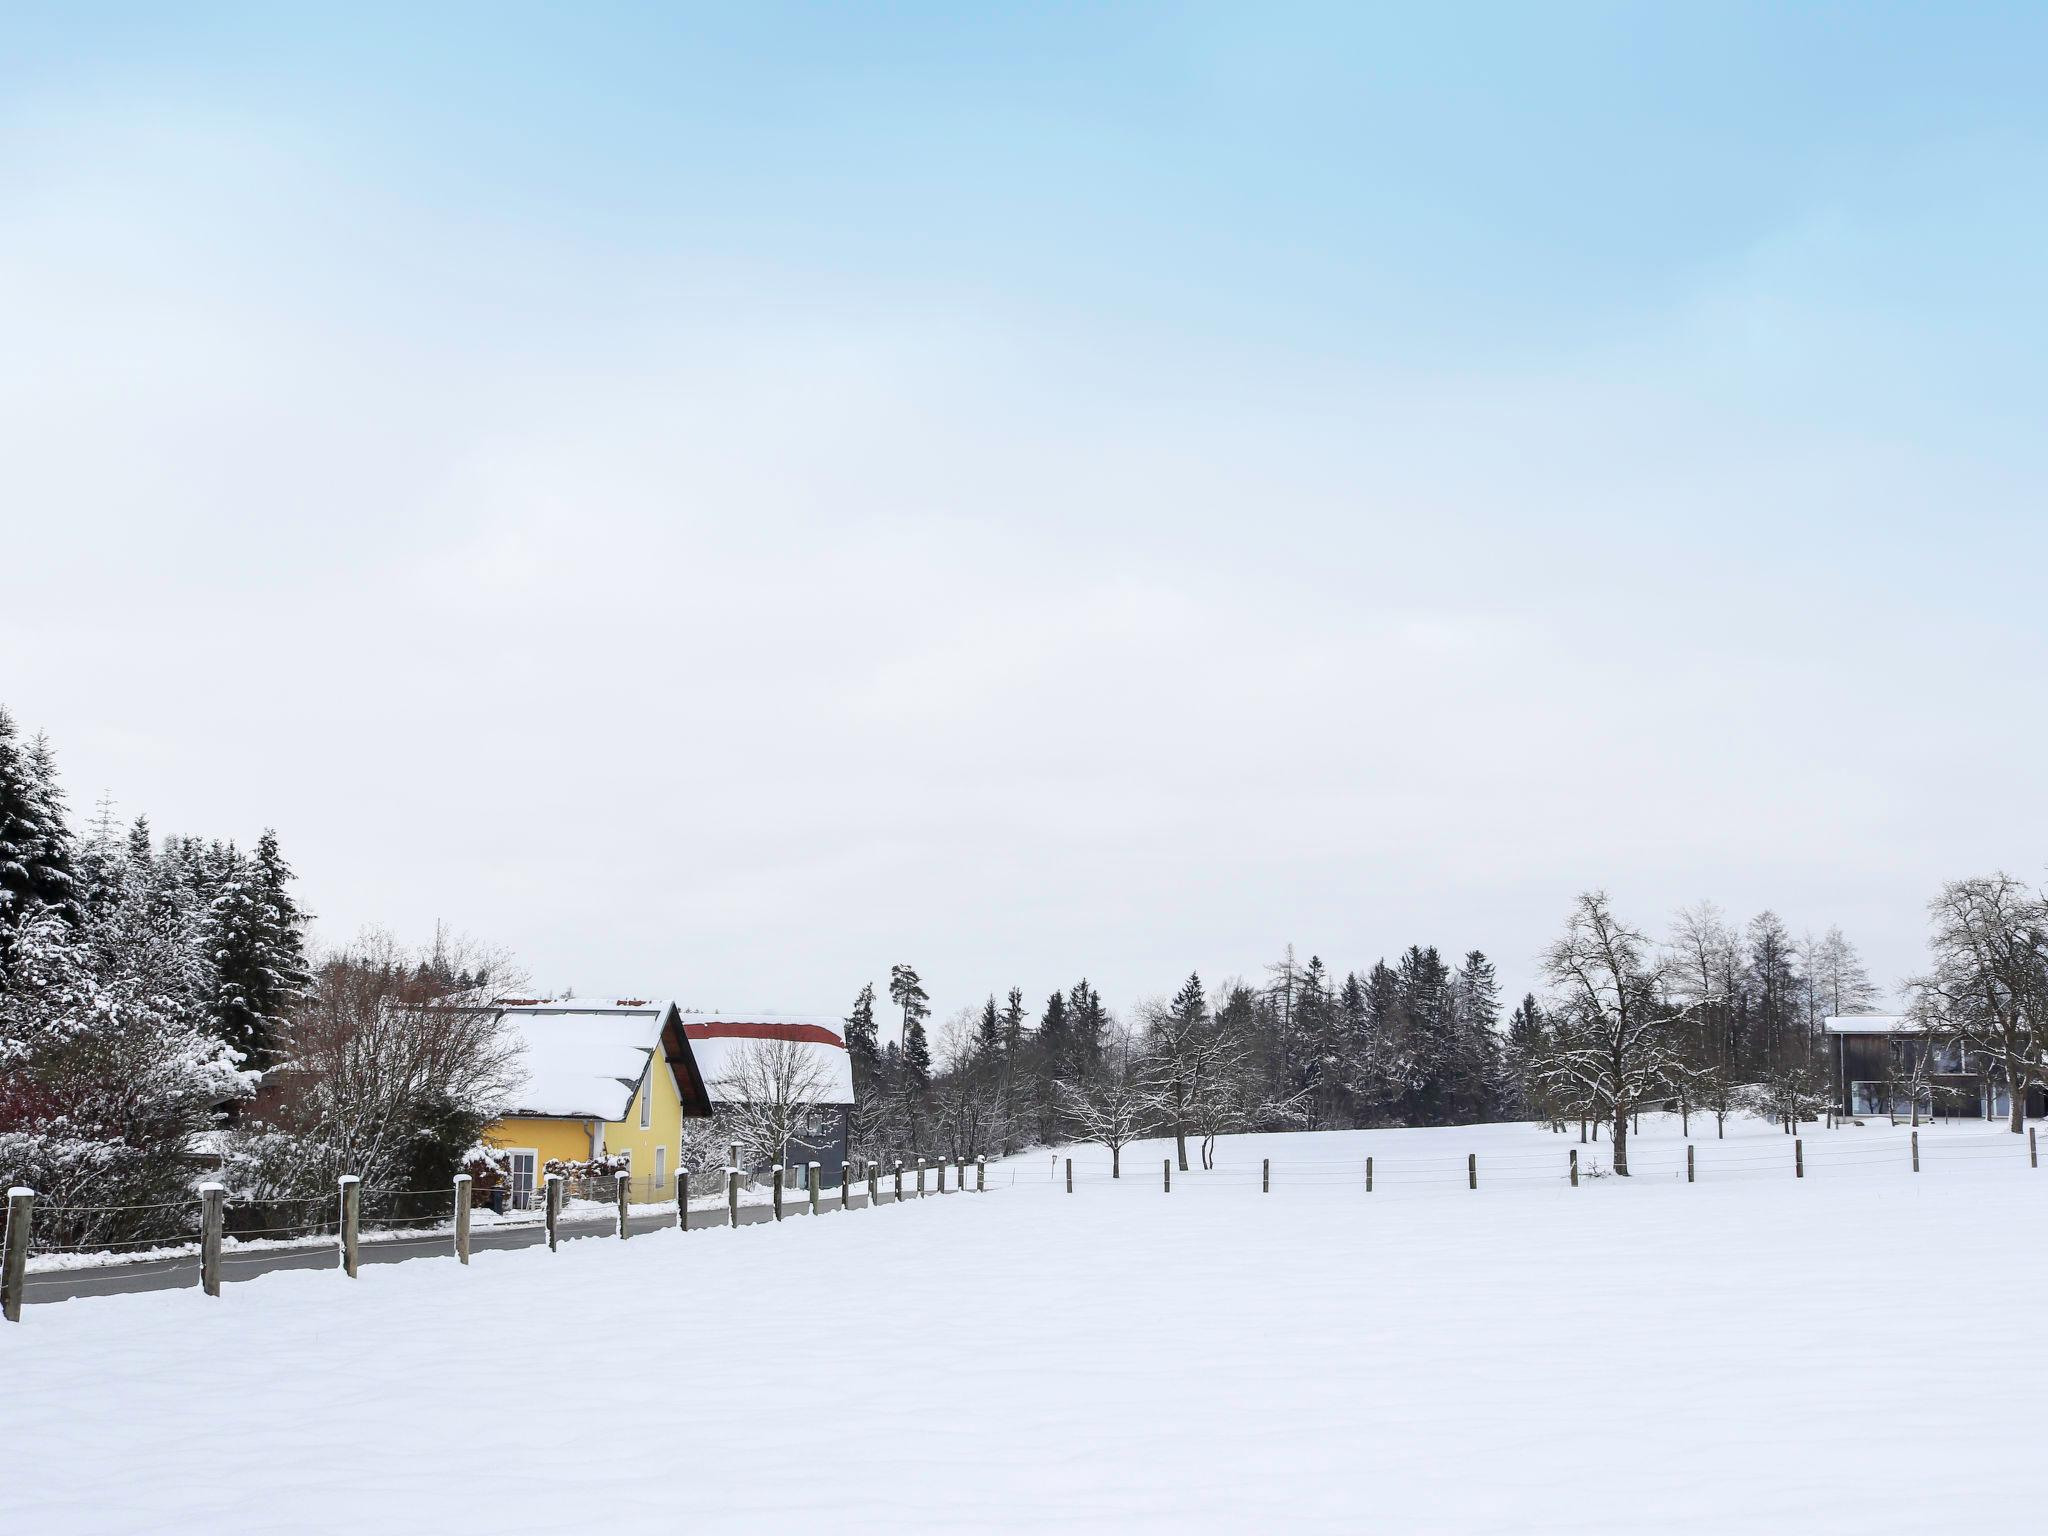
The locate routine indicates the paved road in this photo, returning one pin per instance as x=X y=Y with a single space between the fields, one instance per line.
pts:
x=179 y=1273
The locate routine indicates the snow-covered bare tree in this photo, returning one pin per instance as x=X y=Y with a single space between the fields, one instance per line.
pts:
x=1989 y=983
x=1615 y=1044
x=395 y=1064
x=1115 y=1107
x=770 y=1092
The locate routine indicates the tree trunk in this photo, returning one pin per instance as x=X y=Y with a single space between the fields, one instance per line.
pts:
x=1180 y=1126
x=2019 y=1107
x=1620 y=1142
x=1116 y=1162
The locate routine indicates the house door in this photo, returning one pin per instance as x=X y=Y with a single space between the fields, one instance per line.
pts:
x=525 y=1163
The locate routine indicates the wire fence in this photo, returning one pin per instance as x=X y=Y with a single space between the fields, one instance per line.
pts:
x=291 y=1230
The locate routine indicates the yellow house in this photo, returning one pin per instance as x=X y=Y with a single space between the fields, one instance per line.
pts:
x=601 y=1078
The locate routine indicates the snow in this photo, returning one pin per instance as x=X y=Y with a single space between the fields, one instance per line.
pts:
x=1628 y=1355
x=582 y=1061
x=1870 y=1024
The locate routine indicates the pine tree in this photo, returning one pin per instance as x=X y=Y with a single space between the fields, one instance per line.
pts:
x=35 y=842
x=861 y=1044
x=1476 y=1078
x=988 y=1032
x=254 y=937
x=1430 y=1035
x=1088 y=1023
x=1314 y=1046
x=1055 y=1063
x=907 y=992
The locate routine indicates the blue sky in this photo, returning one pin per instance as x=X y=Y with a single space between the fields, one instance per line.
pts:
x=1035 y=490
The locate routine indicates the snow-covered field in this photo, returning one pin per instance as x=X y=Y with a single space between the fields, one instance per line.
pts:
x=1859 y=1350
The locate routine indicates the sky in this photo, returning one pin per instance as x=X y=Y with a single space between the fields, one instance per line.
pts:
x=722 y=500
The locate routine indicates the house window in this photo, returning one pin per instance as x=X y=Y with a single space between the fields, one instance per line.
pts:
x=1866 y=1099
x=647 y=1101
x=660 y=1173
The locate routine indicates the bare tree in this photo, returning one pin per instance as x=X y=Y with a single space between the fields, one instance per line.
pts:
x=1615 y=1042
x=395 y=1054
x=1114 y=1108
x=769 y=1095
x=1989 y=984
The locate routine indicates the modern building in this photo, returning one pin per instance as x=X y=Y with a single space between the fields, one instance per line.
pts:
x=1883 y=1060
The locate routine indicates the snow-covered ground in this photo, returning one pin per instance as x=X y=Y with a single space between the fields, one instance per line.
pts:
x=1854 y=1351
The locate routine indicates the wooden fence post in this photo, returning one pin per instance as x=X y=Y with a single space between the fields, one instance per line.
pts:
x=1265 y=1175
x=1368 y=1175
x=1471 y=1170
x=1916 y=1151
x=732 y=1194
x=920 y=1178
x=942 y=1175
x=1169 y=1175
x=211 y=1199
x=874 y=1184
x=1575 y=1167
x=551 y=1205
x=1070 y=1175
x=1798 y=1158
x=625 y=1201
x=899 y=1181
x=981 y=1174
x=811 y=1173
x=2033 y=1151
x=351 y=1214
x=21 y=1211
x=734 y=1160
x=1688 y=1163
x=682 y=1199
x=778 y=1191
x=462 y=1217
x=845 y=1185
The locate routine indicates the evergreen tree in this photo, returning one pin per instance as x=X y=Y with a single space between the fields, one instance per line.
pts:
x=1476 y=1085
x=35 y=842
x=1055 y=1062
x=1430 y=1035
x=254 y=937
x=1013 y=1025
x=1088 y=1025
x=861 y=1043
x=907 y=992
x=988 y=1032
x=1315 y=1047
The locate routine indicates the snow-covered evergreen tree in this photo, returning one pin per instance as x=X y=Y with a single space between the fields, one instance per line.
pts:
x=35 y=842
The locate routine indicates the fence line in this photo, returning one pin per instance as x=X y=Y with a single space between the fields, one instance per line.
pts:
x=222 y=1251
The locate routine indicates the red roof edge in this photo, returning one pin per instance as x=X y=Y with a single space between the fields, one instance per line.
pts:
x=811 y=1034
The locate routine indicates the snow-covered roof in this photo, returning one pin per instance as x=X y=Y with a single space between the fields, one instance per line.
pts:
x=1870 y=1024
x=716 y=1039
x=583 y=1059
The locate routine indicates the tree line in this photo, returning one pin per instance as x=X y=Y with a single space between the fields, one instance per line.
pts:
x=1712 y=1019
x=155 y=991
